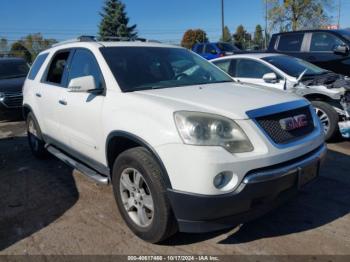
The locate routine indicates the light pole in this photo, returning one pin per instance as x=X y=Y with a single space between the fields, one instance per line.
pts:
x=339 y=13
x=265 y=24
x=222 y=19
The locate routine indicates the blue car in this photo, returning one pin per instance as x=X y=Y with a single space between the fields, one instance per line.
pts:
x=214 y=50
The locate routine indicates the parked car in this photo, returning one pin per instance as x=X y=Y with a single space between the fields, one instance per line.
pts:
x=13 y=72
x=328 y=49
x=214 y=50
x=328 y=92
x=184 y=147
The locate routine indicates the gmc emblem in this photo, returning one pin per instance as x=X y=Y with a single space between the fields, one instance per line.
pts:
x=294 y=122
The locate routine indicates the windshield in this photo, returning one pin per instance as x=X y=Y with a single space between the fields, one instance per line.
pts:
x=227 y=47
x=142 y=68
x=346 y=34
x=294 y=66
x=13 y=69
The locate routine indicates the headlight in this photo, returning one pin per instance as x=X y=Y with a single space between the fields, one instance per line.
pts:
x=204 y=129
x=2 y=97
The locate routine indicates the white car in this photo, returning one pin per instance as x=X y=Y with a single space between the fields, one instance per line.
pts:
x=328 y=92
x=184 y=147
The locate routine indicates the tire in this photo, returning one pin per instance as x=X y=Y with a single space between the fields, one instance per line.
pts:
x=329 y=118
x=35 y=140
x=140 y=198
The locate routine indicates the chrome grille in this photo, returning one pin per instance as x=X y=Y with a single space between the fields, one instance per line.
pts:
x=271 y=125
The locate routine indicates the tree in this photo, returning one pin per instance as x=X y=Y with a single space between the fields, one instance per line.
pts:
x=242 y=38
x=115 y=21
x=35 y=43
x=227 y=37
x=19 y=50
x=192 y=37
x=258 y=37
x=286 y=15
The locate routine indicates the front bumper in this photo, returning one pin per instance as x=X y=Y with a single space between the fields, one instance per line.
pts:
x=260 y=191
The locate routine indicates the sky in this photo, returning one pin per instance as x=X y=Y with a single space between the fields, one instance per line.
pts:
x=164 y=20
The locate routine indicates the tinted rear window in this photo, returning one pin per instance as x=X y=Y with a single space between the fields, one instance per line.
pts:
x=36 y=66
x=13 y=69
x=225 y=47
x=290 y=42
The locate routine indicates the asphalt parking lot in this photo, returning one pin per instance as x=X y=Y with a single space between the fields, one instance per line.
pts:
x=47 y=208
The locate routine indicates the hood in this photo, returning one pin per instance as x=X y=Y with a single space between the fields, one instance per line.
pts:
x=12 y=84
x=229 y=99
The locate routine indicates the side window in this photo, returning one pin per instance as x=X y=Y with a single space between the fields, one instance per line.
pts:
x=36 y=66
x=290 y=42
x=324 y=42
x=251 y=69
x=210 y=49
x=223 y=65
x=57 y=68
x=199 y=49
x=85 y=64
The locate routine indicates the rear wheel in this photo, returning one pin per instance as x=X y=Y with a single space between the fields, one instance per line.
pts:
x=140 y=194
x=329 y=118
x=35 y=140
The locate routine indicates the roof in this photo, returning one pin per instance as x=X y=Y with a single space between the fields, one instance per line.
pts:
x=97 y=44
x=313 y=30
x=9 y=59
x=249 y=55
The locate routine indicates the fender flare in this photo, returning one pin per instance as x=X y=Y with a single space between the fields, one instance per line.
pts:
x=143 y=143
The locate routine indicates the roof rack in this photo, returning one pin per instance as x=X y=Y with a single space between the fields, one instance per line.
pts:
x=89 y=38
x=83 y=38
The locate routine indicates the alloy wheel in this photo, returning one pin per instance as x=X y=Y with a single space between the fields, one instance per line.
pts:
x=136 y=197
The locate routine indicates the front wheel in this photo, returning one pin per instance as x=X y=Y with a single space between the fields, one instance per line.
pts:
x=328 y=117
x=140 y=194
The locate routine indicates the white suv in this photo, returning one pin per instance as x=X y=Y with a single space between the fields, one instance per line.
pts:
x=184 y=147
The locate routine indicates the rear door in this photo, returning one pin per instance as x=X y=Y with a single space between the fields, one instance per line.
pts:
x=293 y=44
x=53 y=89
x=321 y=46
x=81 y=119
x=210 y=52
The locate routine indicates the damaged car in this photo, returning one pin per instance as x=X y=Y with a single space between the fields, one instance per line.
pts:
x=328 y=92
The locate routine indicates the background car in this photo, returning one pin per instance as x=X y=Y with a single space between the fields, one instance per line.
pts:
x=328 y=92
x=214 y=50
x=328 y=49
x=12 y=75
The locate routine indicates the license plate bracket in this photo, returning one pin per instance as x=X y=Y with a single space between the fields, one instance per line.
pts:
x=308 y=173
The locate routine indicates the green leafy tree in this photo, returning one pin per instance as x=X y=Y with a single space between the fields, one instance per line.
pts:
x=19 y=50
x=193 y=36
x=286 y=15
x=227 y=37
x=258 y=37
x=115 y=22
x=242 y=38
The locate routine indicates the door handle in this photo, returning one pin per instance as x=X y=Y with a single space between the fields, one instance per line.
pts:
x=62 y=102
x=38 y=94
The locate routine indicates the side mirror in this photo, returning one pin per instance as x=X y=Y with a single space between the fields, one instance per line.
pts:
x=213 y=52
x=84 y=84
x=341 y=50
x=270 y=78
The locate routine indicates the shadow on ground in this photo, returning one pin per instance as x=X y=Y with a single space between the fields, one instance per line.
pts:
x=33 y=193
x=318 y=204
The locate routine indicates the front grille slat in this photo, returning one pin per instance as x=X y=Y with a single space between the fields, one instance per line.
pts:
x=271 y=125
x=13 y=99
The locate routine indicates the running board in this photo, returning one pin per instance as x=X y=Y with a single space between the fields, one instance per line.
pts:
x=90 y=173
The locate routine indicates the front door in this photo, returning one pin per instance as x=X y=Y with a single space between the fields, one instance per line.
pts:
x=81 y=119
